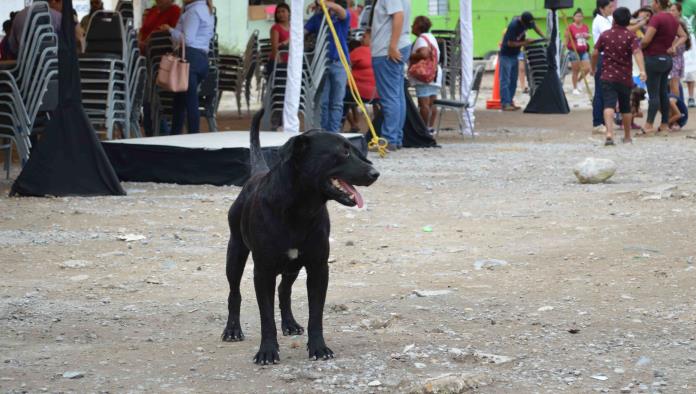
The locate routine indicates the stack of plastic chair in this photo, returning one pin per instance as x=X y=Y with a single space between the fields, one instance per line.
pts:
x=161 y=102
x=25 y=87
x=136 y=81
x=450 y=60
x=535 y=64
x=125 y=8
x=209 y=93
x=236 y=72
x=104 y=73
x=313 y=73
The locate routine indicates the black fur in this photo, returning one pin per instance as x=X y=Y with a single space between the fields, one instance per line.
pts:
x=283 y=210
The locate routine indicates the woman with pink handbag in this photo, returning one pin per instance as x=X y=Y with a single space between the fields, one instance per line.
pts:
x=193 y=34
x=424 y=69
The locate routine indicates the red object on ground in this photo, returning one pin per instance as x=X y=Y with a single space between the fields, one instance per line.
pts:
x=494 y=102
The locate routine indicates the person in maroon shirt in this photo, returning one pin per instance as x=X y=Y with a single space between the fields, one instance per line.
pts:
x=662 y=38
x=617 y=45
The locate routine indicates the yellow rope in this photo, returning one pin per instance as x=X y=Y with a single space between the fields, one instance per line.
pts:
x=376 y=143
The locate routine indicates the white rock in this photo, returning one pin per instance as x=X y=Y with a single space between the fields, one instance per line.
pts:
x=593 y=170
x=431 y=293
x=545 y=308
x=79 y=278
x=374 y=383
x=73 y=375
x=420 y=365
x=75 y=264
x=599 y=377
x=131 y=237
x=489 y=264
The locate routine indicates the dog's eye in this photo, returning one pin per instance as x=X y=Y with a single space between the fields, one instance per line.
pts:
x=346 y=153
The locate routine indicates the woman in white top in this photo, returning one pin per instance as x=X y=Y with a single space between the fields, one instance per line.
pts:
x=601 y=23
x=422 y=49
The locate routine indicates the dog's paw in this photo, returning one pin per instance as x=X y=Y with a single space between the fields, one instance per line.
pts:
x=268 y=354
x=318 y=350
x=291 y=328
x=232 y=334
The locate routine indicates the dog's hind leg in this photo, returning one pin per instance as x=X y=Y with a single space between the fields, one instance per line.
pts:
x=264 y=284
x=317 y=285
x=288 y=323
x=237 y=254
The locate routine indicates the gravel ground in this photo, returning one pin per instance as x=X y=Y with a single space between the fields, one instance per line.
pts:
x=479 y=266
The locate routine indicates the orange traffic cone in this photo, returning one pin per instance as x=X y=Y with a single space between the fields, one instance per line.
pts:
x=494 y=102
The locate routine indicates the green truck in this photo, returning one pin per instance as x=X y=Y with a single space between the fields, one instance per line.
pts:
x=491 y=17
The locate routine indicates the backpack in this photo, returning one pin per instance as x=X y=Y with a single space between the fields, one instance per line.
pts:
x=425 y=70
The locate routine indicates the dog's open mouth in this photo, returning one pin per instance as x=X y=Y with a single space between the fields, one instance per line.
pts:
x=348 y=191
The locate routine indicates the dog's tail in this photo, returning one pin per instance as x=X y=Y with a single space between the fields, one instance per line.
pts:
x=257 y=162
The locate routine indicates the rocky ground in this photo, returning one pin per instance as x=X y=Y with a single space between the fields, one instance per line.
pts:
x=479 y=266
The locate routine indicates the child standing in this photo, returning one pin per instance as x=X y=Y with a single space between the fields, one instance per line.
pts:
x=617 y=46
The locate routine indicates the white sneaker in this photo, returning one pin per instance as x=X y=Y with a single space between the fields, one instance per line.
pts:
x=601 y=129
x=576 y=92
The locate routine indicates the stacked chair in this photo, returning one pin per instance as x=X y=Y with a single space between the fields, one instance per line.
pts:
x=209 y=91
x=535 y=64
x=449 y=42
x=111 y=73
x=26 y=87
x=161 y=102
x=236 y=72
x=125 y=8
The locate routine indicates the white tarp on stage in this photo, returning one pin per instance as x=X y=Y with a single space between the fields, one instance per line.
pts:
x=214 y=141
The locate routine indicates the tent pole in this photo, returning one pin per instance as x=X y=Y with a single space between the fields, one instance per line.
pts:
x=291 y=106
x=467 y=61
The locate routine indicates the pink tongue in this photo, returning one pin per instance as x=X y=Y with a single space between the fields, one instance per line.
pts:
x=358 y=198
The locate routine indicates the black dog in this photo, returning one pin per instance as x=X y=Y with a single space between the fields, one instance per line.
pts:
x=281 y=217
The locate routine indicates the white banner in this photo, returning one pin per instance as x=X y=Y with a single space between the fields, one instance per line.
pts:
x=291 y=122
x=467 y=51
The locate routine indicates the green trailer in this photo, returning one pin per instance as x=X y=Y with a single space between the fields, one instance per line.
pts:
x=491 y=17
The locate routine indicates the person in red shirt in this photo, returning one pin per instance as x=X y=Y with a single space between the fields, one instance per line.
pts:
x=617 y=45
x=165 y=12
x=361 y=68
x=280 y=33
x=355 y=11
x=662 y=38
x=576 y=41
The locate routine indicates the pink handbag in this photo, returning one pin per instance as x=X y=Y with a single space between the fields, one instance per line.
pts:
x=173 y=75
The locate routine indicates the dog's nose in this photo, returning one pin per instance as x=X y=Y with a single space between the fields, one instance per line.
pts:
x=373 y=174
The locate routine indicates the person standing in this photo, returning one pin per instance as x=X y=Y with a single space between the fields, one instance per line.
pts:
x=425 y=47
x=194 y=32
x=602 y=22
x=165 y=12
x=677 y=74
x=280 y=35
x=390 y=50
x=576 y=41
x=662 y=38
x=335 y=85
x=513 y=41
x=689 y=14
x=94 y=6
x=618 y=45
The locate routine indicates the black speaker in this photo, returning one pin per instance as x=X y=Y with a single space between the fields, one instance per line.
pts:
x=558 y=4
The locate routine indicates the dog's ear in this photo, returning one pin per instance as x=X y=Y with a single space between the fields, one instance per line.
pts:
x=294 y=148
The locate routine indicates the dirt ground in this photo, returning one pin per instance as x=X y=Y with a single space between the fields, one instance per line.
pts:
x=593 y=287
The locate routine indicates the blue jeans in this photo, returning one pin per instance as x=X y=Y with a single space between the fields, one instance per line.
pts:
x=332 y=97
x=186 y=103
x=598 y=100
x=509 y=71
x=389 y=77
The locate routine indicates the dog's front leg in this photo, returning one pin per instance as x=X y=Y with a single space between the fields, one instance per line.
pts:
x=264 y=284
x=288 y=323
x=317 y=284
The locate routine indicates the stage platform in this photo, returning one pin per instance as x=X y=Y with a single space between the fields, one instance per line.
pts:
x=220 y=158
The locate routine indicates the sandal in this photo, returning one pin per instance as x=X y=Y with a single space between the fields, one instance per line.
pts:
x=627 y=140
x=609 y=142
